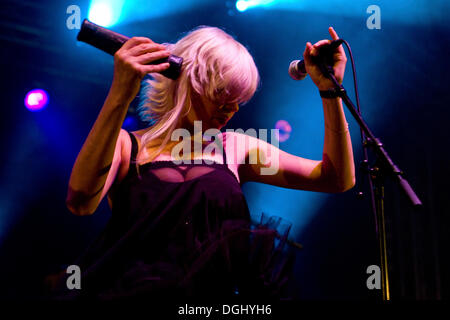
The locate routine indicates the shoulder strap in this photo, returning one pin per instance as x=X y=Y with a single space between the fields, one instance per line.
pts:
x=134 y=150
x=224 y=153
x=134 y=146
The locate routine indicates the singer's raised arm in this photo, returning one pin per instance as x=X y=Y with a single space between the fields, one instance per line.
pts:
x=337 y=161
x=99 y=162
x=336 y=171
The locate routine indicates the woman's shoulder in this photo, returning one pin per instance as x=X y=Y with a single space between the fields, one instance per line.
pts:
x=139 y=133
x=238 y=140
x=221 y=135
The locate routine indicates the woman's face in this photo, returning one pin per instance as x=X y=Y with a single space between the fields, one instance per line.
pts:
x=212 y=114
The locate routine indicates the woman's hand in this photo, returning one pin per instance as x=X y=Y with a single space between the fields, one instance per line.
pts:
x=339 y=58
x=131 y=64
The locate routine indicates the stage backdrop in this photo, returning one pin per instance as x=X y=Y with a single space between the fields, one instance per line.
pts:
x=403 y=80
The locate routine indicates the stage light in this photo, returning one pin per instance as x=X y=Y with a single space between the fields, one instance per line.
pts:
x=130 y=123
x=105 y=13
x=241 y=5
x=418 y=14
x=36 y=99
x=284 y=130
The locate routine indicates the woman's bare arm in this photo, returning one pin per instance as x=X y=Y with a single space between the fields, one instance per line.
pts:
x=98 y=162
x=336 y=171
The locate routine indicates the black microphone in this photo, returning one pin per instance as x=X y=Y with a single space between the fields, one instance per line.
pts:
x=297 y=69
x=110 y=41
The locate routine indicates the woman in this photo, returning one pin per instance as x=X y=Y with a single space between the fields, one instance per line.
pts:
x=183 y=229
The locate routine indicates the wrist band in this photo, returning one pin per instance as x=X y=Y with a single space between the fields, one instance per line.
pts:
x=331 y=93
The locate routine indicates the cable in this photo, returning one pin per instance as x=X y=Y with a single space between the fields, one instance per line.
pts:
x=355 y=81
x=363 y=137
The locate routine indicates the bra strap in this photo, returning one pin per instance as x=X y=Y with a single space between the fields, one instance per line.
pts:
x=134 y=150
x=224 y=154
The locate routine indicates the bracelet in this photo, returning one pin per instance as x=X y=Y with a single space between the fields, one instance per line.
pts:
x=338 y=131
x=331 y=93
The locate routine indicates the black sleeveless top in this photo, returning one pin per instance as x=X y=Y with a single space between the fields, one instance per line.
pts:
x=183 y=231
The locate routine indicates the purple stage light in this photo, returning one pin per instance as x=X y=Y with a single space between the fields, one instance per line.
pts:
x=36 y=99
x=284 y=130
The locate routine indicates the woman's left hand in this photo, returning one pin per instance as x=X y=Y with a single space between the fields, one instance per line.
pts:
x=339 y=58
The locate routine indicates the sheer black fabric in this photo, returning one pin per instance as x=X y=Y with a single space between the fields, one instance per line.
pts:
x=183 y=231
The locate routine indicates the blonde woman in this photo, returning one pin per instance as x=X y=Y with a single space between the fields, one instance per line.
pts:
x=183 y=229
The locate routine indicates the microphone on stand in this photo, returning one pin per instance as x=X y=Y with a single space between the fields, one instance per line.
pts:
x=297 y=69
x=110 y=41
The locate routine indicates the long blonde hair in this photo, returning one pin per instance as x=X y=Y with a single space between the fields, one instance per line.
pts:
x=215 y=65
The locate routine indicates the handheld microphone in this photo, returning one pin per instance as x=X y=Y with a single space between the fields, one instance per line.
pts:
x=297 y=69
x=110 y=41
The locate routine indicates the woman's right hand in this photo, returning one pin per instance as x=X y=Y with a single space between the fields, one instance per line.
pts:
x=131 y=65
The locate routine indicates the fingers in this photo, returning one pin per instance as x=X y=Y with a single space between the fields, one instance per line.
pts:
x=312 y=64
x=316 y=47
x=335 y=36
x=333 y=33
x=131 y=44
x=154 y=68
x=135 y=41
x=307 y=56
x=152 y=56
x=145 y=47
x=140 y=51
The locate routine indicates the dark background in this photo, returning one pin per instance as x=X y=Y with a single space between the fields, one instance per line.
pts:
x=403 y=79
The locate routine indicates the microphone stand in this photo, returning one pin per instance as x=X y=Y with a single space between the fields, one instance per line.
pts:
x=383 y=166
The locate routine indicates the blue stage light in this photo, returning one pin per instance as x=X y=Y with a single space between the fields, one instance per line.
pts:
x=36 y=99
x=130 y=123
x=105 y=13
x=422 y=12
x=241 y=5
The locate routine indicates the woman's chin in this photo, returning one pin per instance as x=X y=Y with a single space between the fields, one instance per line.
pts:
x=219 y=123
x=212 y=123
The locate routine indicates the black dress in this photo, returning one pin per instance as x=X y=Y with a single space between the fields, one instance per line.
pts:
x=183 y=231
